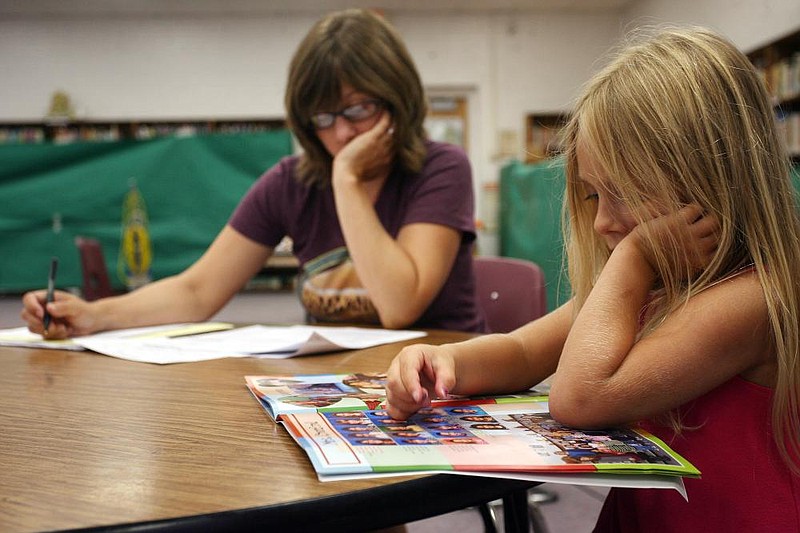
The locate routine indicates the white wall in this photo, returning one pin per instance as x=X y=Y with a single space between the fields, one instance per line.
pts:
x=748 y=23
x=201 y=66
x=148 y=68
x=512 y=64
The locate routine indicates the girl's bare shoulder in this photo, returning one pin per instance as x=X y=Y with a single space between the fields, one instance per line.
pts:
x=729 y=320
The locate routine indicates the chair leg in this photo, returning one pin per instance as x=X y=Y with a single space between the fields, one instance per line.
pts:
x=535 y=497
x=515 y=512
x=489 y=517
x=538 y=524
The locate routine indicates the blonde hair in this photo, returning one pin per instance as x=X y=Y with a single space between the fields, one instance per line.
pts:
x=360 y=49
x=683 y=117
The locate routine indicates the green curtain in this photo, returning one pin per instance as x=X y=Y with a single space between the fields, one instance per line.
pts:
x=530 y=220
x=52 y=193
x=531 y=196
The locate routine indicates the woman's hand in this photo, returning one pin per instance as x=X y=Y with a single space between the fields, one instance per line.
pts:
x=369 y=155
x=70 y=316
x=418 y=374
x=687 y=238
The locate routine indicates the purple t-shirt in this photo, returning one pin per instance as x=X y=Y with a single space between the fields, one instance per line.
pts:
x=277 y=205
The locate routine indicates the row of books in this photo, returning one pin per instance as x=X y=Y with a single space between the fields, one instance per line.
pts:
x=543 y=142
x=789 y=127
x=782 y=77
x=22 y=134
x=105 y=132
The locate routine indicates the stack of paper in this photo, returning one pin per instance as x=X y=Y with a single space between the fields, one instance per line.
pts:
x=182 y=343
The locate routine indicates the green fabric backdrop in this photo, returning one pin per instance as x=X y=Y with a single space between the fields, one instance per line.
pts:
x=531 y=196
x=51 y=193
x=530 y=220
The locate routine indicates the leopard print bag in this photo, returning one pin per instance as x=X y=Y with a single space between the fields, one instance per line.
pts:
x=330 y=290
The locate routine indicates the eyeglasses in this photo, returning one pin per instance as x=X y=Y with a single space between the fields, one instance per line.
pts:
x=354 y=113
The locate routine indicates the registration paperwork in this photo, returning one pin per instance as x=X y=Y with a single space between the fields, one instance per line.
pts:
x=183 y=343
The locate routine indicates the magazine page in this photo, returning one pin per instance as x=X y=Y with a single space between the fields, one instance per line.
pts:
x=342 y=392
x=510 y=438
x=281 y=395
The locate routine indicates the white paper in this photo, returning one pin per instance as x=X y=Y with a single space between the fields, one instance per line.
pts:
x=260 y=341
x=155 y=351
x=163 y=331
x=638 y=481
x=24 y=338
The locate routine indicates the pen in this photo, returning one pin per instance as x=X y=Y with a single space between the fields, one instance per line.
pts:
x=51 y=285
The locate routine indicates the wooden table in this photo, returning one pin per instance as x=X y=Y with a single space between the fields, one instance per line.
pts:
x=89 y=441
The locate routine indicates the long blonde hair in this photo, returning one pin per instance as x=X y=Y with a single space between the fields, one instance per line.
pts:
x=683 y=117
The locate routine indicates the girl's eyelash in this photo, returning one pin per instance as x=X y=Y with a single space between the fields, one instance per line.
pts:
x=592 y=196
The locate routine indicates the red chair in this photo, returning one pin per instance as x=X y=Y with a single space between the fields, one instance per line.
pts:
x=96 y=283
x=510 y=291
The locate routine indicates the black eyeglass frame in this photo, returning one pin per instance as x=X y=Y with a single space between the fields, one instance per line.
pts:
x=329 y=117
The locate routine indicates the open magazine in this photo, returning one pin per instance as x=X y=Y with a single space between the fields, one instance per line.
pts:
x=340 y=422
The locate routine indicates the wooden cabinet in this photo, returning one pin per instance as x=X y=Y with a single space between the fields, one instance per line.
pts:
x=779 y=64
x=542 y=135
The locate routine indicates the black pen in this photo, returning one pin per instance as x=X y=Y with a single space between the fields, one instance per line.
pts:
x=51 y=286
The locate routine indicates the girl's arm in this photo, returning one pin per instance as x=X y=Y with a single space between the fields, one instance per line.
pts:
x=489 y=364
x=605 y=377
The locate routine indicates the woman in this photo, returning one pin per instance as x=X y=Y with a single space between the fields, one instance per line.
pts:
x=381 y=219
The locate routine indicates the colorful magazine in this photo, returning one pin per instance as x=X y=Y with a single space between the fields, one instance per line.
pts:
x=341 y=423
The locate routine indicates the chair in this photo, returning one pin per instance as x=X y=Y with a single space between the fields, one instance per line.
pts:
x=96 y=283
x=512 y=293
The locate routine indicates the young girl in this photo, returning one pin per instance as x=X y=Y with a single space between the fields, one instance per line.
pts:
x=683 y=249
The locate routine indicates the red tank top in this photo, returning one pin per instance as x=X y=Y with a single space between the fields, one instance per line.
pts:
x=745 y=485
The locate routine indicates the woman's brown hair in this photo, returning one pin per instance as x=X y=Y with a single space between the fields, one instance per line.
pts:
x=360 y=49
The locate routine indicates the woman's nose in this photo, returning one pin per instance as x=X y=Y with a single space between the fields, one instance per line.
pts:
x=344 y=129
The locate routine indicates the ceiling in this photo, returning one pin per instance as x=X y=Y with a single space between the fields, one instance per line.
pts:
x=78 y=8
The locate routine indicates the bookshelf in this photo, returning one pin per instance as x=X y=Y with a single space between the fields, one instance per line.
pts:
x=67 y=131
x=541 y=135
x=779 y=65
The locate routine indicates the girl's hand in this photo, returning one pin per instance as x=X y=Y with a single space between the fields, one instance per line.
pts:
x=368 y=155
x=70 y=315
x=418 y=373
x=687 y=237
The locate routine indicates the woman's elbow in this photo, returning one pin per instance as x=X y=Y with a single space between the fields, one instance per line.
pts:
x=397 y=321
x=399 y=317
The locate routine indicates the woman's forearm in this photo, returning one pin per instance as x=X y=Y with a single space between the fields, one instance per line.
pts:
x=399 y=286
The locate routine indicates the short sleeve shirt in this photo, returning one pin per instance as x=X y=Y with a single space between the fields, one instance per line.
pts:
x=278 y=205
